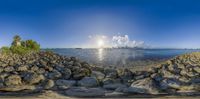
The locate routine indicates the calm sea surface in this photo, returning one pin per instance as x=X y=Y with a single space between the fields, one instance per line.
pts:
x=122 y=57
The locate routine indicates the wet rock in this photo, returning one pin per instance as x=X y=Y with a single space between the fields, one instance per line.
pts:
x=88 y=82
x=85 y=92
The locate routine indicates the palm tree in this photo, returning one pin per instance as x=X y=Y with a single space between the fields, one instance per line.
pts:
x=16 y=41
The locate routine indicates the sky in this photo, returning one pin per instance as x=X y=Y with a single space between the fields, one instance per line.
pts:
x=88 y=23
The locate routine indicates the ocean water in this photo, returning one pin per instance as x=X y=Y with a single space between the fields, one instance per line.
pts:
x=123 y=57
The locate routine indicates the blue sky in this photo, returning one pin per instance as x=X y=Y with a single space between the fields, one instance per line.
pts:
x=69 y=23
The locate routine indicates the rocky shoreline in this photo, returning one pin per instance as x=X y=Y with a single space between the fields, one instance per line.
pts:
x=47 y=71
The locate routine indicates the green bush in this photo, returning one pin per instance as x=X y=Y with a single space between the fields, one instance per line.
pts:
x=32 y=45
x=5 y=50
x=21 y=47
x=19 y=50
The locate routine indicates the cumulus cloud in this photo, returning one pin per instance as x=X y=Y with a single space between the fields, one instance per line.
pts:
x=124 y=41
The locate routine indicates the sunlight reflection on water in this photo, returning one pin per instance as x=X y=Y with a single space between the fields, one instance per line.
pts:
x=100 y=54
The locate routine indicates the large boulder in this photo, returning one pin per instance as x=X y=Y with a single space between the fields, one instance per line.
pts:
x=88 y=82
x=143 y=86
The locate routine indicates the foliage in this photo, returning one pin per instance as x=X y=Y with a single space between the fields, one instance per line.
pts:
x=21 y=47
x=32 y=45
x=5 y=50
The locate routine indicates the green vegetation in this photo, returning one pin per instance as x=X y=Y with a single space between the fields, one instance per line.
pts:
x=21 y=47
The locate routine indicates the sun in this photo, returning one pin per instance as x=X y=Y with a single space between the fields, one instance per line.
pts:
x=100 y=43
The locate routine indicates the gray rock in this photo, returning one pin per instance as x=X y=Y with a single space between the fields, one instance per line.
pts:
x=33 y=78
x=145 y=86
x=88 y=82
x=54 y=74
x=85 y=92
x=111 y=73
x=66 y=73
x=64 y=84
x=113 y=86
x=170 y=83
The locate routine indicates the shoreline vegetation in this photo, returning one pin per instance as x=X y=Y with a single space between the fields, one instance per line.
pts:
x=24 y=69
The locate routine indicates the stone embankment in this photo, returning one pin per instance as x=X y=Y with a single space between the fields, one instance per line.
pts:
x=49 y=71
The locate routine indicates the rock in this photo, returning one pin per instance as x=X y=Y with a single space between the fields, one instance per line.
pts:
x=79 y=73
x=34 y=68
x=107 y=81
x=85 y=92
x=1 y=69
x=33 y=78
x=141 y=75
x=113 y=86
x=54 y=74
x=111 y=73
x=66 y=73
x=144 y=86
x=17 y=88
x=49 y=84
x=98 y=75
x=125 y=75
x=13 y=80
x=9 y=69
x=157 y=77
x=22 y=68
x=170 y=83
x=62 y=82
x=197 y=69
x=88 y=82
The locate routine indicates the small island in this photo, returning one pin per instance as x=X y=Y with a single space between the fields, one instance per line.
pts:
x=27 y=70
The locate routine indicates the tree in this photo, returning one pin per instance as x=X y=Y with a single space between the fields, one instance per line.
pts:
x=32 y=45
x=16 y=41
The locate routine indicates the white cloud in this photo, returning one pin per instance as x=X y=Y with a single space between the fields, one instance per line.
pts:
x=124 y=41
